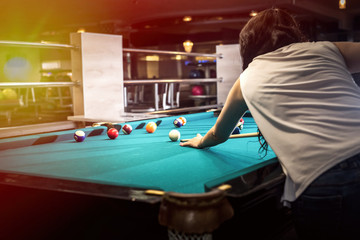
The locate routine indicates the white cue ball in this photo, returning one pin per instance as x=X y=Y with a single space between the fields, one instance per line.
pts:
x=174 y=135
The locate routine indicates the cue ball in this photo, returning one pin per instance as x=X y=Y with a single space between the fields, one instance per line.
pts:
x=151 y=127
x=113 y=133
x=174 y=135
x=177 y=123
x=79 y=136
x=127 y=129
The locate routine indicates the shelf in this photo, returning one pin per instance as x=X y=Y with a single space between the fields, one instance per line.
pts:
x=202 y=96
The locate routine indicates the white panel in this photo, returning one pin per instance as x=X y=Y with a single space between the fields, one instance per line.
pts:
x=100 y=69
x=228 y=67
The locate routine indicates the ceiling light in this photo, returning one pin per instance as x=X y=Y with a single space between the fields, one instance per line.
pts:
x=253 y=13
x=342 y=4
x=187 y=19
x=178 y=57
x=81 y=30
x=153 y=58
x=188 y=46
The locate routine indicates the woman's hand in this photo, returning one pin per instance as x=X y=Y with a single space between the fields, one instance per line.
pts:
x=194 y=142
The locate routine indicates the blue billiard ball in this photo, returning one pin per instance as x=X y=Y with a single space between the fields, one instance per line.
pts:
x=79 y=136
x=177 y=123
x=236 y=130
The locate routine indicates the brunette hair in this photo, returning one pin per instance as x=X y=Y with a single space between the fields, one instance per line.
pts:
x=269 y=30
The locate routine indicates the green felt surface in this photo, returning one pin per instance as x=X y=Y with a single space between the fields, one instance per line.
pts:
x=140 y=159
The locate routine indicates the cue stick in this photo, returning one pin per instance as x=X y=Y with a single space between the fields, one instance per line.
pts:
x=241 y=135
x=223 y=187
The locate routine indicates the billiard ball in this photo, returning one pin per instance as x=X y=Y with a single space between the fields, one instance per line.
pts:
x=151 y=127
x=79 y=136
x=236 y=130
x=240 y=123
x=197 y=90
x=177 y=123
x=174 y=135
x=183 y=120
x=10 y=94
x=127 y=129
x=113 y=133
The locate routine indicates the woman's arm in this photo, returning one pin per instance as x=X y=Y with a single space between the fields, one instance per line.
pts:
x=351 y=54
x=232 y=111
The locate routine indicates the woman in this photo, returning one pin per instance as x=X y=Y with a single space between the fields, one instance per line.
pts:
x=307 y=107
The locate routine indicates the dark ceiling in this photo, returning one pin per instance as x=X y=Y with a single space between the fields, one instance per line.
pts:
x=154 y=22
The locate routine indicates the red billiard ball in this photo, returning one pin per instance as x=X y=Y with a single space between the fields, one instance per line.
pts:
x=240 y=123
x=197 y=90
x=127 y=129
x=79 y=136
x=113 y=133
x=151 y=127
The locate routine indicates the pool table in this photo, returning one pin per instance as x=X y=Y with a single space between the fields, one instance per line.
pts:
x=52 y=186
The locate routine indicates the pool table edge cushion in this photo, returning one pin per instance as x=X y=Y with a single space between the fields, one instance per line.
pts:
x=98 y=189
x=251 y=179
x=36 y=139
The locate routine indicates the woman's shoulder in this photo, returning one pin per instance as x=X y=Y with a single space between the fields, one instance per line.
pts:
x=319 y=48
x=310 y=45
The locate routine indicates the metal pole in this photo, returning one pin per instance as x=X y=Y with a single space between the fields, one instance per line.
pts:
x=191 y=80
x=35 y=45
x=37 y=84
x=171 y=52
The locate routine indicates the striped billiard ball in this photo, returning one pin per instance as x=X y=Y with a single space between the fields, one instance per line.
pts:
x=178 y=123
x=127 y=129
x=79 y=136
x=183 y=120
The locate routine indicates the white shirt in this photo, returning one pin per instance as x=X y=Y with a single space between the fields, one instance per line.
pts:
x=307 y=107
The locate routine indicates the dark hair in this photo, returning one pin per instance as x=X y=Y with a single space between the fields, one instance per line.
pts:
x=269 y=30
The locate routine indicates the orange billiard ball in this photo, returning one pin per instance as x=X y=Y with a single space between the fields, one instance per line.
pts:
x=183 y=120
x=151 y=127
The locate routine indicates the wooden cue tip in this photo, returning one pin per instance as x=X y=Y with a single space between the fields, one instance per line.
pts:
x=224 y=187
x=154 y=192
